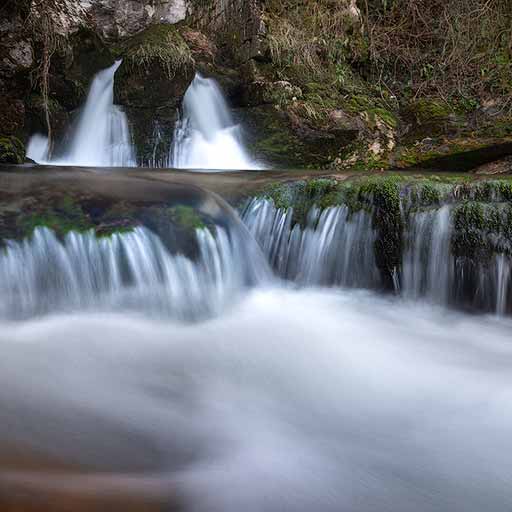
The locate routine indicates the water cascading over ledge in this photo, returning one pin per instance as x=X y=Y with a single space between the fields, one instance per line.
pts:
x=448 y=244
x=205 y=135
x=100 y=137
x=132 y=270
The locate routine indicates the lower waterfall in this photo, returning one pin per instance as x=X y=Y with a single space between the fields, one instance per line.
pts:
x=202 y=384
x=332 y=249
x=131 y=270
x=337 y=248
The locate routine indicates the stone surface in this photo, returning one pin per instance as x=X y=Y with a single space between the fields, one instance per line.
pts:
x=237 y=25
x=12 y=115
x=118 y=19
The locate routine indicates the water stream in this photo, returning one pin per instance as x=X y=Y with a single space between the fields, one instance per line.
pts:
x=337 y=248
x=205 y=136
x=212 y=385
x=99 y=138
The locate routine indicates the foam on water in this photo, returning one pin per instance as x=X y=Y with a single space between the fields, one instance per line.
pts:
x=293 y=400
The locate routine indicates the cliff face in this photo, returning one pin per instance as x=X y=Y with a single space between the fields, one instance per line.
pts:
x=313 y=81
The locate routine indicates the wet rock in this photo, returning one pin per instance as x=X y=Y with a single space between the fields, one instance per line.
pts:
x=236 y=25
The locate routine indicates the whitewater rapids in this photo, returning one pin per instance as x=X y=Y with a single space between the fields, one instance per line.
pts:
x=306 y=400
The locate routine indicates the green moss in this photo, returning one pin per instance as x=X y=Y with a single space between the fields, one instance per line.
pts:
x=385 y=116
x=159 y=45
x=481 y=230
x=186 y=217
x=63 y=216
x=12 y=150
x=430 y=110
x=383 y=194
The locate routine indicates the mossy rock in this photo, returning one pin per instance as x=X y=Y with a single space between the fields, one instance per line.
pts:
x=157 y=68
x=272 y=138
x=12 y=150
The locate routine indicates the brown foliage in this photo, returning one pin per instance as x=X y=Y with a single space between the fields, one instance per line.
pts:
x=453 y=49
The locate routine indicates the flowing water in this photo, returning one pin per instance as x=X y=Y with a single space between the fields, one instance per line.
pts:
x=292 y=400
x=206 y=137
x=337 y=248
x=101 y=135
x=264 y=372
x=208 y=383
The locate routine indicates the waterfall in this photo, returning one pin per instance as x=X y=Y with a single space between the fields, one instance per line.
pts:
x=101 y=137
x=130 y=270
x=428 y=263
x=336 y=247
x=332 y=248
x=206 y=137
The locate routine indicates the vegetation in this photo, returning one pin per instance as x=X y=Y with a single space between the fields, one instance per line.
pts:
x=159 y=45
x=456 y=51
x=12 y=150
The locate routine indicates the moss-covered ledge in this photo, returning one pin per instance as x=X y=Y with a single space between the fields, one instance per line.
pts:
x=481 y=210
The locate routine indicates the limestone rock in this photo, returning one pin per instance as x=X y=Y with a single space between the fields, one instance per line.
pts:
x=118 y=19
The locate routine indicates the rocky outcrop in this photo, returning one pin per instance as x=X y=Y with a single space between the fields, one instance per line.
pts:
x=119 y=19
x=236 y=25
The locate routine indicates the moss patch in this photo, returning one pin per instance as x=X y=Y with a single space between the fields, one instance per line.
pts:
x=12 y=150
x=159 y=45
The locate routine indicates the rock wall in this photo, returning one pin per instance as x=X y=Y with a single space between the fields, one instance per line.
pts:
x=118 y=19
x=237 y=25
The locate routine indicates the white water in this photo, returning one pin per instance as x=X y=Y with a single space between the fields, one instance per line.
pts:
x=273 y=399
x=206 y=137
x=131 y=270
x=293 y=400
x=428 y=263
x=331 y=249
x=337 y=249
x=101 y=136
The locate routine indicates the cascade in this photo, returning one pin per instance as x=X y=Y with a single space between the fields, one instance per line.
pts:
x=206 y=136
x=427 y=269
x=337 y=248
x=333 y=247
x=101 y=136
x=127 y=270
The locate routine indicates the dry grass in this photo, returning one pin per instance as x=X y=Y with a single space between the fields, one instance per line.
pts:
x=311 y=35
x=160 y=44
x=453 y=49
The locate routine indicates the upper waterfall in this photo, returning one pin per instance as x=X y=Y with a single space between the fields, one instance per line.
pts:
x=101 y=136
x=206 y=136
